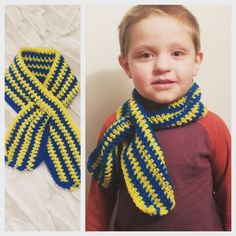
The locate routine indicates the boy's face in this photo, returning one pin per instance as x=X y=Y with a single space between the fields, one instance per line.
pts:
x=161 y=59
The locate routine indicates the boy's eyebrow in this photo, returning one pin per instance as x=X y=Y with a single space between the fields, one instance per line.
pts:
x=144 y=46
x=181 y=45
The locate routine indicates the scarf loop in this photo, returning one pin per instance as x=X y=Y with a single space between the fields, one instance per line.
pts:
x=142 y=159
x=39 y=86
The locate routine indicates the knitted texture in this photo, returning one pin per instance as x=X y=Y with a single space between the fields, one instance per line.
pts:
x=142 y=159
x=39 y=86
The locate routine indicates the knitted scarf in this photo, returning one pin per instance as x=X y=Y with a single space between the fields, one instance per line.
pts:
x=39 y=86
x=142 y=159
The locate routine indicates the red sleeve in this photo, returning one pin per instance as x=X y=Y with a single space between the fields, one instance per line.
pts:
x=221 y=164
x=100 y=201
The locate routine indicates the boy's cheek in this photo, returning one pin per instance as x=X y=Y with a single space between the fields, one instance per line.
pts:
x=145 y=75
x=141 y=68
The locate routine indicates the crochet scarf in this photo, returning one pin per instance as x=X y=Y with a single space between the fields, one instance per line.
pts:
x=142 y=159
x=39 y=86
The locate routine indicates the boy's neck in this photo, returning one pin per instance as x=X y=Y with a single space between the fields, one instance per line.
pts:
x=150 y=105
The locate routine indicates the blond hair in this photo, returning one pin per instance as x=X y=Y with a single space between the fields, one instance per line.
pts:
x=140 y=12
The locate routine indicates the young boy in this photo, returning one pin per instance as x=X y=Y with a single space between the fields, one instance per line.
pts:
x=162 y=158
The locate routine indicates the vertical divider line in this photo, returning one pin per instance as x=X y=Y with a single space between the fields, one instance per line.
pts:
x=2 y=117
x=233 y=116
x=82 y=116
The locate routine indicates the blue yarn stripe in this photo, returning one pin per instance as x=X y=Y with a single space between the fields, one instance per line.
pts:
x=18 y=124
x=155 y=185
x=42 y=148
x=72 y=85
x=66 y=145
x=54 y=78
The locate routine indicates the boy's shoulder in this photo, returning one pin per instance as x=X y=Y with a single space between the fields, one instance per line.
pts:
x=107 y=123
x=212 y=121
x=214 y=125
x=110 y=119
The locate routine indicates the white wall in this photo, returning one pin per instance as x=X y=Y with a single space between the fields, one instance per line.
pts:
x=107 y=87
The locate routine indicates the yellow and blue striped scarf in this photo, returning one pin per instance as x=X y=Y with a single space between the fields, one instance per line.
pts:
x=142 y=159
x=39 y=86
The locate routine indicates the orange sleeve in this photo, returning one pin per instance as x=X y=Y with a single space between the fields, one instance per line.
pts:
x=221 y=164
x=100 y=201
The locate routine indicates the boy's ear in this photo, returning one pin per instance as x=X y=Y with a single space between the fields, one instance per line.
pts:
x=125 y=65
x=198 y=62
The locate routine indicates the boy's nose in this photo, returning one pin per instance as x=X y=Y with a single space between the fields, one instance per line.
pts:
x=161 y=65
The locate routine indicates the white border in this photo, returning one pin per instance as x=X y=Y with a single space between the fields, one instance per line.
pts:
x=83 y=4
x=2 y=120
x=82 y=116
x=233 y=112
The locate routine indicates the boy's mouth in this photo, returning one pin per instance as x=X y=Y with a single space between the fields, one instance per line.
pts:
x=163 y=84
x=163 y=81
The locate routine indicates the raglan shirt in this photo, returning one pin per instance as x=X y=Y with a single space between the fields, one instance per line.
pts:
x=198 y=159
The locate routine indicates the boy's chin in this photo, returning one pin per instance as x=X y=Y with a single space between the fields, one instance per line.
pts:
x=166 y=97
x=164 y=100
x=153 y=103
x=161 y=97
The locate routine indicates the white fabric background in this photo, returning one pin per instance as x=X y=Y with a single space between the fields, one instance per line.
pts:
x=32 y=200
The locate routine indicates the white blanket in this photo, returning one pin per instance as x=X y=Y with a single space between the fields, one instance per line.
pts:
x=32 y=200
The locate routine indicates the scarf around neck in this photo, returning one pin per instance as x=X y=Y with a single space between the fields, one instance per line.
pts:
x=39 y=86
x=142 y=159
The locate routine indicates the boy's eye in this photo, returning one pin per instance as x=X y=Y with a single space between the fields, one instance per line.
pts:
x=146 y=55
x=177 y=53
